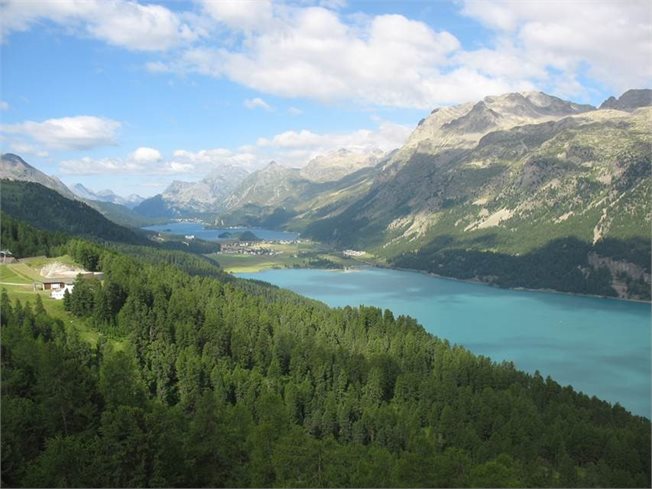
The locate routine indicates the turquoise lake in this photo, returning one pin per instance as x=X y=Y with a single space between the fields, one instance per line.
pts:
x=599 y=346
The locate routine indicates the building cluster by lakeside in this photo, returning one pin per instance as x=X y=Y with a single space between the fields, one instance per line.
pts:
x=247 y=248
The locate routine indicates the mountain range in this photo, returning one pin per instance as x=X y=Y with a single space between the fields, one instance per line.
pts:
x=107 y=195
x=482 y=190
x=229 y=188
x=520 y=190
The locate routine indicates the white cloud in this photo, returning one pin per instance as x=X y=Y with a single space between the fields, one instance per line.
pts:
x=610 y=42
x=23 y=148
x=257 y=103
x=142 y=161
x=146 y=155
x=295 y=111
x=204 y=160
x=296 y=148
x=4 y=105
x=67 y=133
x=122 y=23
x=390 y=60
x=290 y=148
x=314 y=54
x=314 y=49
x=240 y=14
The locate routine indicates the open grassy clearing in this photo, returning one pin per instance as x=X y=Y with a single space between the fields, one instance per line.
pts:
x=38 y=262
x=17 y=280
x=306 y=254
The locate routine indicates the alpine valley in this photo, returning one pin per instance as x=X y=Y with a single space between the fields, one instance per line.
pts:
x=519 y=190
x=162 y=370
x=325 y=243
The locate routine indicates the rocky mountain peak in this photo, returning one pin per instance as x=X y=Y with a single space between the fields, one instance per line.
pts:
x=13 y=161
x=339 y=163
x=462 y=126
x=106 y=195
x=630 y=100
x=13 y=167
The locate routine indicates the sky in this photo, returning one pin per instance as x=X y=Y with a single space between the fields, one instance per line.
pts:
x=131 y=95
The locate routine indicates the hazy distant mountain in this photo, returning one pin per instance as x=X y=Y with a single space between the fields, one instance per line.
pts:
x=630 y=100
x=337 y=164
x=185 y=198
x=269 y=186
x=13 y=167
x=106 y=196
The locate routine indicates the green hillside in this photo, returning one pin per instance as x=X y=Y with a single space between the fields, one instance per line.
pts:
x=241 y=384
x=46 y=209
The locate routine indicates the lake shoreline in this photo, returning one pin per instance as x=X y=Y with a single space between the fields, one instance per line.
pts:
x=480 y=282
x=570 y=337
x=272 y=266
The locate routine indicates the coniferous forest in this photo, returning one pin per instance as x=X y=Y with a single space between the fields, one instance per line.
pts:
x=207 y=381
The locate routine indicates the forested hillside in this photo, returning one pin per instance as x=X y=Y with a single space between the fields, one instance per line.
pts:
x=47 y=209
x=21 y=239
x=242 y=384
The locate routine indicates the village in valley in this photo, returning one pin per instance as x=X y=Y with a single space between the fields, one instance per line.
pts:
x=252 y=256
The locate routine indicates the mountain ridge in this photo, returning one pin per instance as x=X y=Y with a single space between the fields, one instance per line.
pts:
x=505 y=189
x=106 y=195
x=13 y=167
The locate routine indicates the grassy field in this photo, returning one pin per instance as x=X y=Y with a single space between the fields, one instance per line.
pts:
x=307 y=254
x=17 y=280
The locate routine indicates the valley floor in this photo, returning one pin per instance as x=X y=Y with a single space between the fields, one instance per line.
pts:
x=312 y=254
x=271 y=255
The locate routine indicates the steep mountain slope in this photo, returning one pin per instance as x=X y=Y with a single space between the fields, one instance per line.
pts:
x=120 y=214
x=462 y=126
x=46 y=209
x=189 y=198
x=278 y=196
x=106 y=196
x=337 y=164
x=463 y=182
x=269 y=186
x=13 y=167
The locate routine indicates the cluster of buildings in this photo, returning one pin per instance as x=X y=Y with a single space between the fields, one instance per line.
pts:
x=352 y=253
x=246 y=248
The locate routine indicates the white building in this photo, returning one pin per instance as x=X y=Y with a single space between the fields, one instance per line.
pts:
x=57 y=294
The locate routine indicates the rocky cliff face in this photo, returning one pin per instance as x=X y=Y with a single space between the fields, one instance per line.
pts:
x=630 y=100
x=462 y=126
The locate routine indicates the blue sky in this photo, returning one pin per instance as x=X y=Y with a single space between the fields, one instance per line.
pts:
x=129 y=95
